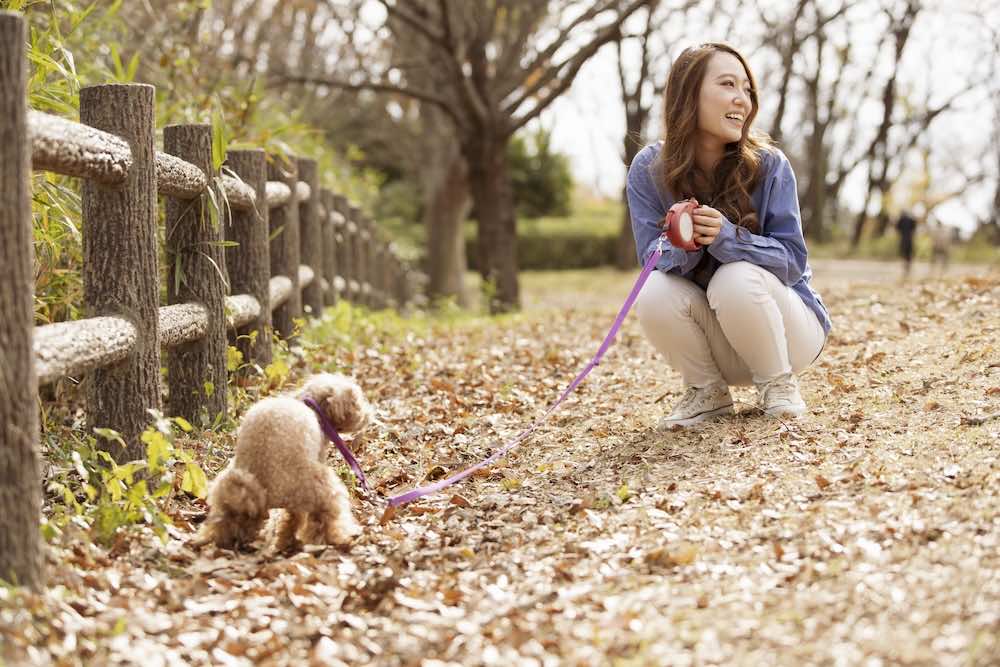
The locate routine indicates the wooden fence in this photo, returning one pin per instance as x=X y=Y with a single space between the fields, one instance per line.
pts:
x=296 y=249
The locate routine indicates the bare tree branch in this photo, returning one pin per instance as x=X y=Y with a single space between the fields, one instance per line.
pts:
x=373 y=86
x=566 y=71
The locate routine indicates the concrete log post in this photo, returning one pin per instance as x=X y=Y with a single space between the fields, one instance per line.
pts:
x=283 y=222
x=329 y=247
x=345 y=246
x=21 y=561
x=248 y=263
x=120 y=266
x=311 y=238
x=196 y=371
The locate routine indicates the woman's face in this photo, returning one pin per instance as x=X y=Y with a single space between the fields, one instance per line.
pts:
x=724 y=100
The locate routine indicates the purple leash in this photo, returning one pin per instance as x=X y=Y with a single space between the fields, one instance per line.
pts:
x=403 y=498
x=332 y=434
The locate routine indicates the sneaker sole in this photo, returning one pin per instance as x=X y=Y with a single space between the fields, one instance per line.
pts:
x=666 y=425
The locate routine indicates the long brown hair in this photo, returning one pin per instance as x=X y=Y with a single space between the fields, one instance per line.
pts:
x=738 y=172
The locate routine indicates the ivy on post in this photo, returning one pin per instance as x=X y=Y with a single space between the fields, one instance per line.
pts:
x=196 y=371
x=120 y=266
x=21 y=561
x=248 y=259
x=283 y=222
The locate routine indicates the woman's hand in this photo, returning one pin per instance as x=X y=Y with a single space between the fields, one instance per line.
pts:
x=707 y=224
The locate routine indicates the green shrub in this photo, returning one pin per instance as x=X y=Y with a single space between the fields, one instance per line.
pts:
x=541 y=177
x=565 y=251
x=95 y=492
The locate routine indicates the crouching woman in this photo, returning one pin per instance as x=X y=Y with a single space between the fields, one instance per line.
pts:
x=739 y=309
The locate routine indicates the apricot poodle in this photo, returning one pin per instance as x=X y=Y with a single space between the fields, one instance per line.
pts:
x=280 y=463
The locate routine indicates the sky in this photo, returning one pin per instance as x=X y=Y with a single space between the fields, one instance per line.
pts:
x=587 y=123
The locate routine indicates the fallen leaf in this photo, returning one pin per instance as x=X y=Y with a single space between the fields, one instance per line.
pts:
x=388 y=515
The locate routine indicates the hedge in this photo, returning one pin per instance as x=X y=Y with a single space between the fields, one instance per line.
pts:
x=550 y=253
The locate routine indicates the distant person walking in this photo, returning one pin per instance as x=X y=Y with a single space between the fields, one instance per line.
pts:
x=906 y=226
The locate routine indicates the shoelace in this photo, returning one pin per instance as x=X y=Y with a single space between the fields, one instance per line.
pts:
x=687 y=399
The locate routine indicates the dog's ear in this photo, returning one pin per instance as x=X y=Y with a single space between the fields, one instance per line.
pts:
x=348 y=409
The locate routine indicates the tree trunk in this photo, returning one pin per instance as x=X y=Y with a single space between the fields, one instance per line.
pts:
x=635 y=123
x=493 y=197
x=20 y=476
x=446 y=206
x=815 y=222
x=859 y=221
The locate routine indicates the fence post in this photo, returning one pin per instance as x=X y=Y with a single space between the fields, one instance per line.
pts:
x=392 y=276
x=283 y=222
x=359 y=251
x=381 y=267
x=400 y=286
x=371 y=268
x=406 y=286
x=345 y=246
x=196 y=371
x=21 y=560
x=311 y=233
x=249 y=262
x=120 y=267
x=329 y=247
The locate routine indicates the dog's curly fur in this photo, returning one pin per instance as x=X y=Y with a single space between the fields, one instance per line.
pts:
x=280 y=463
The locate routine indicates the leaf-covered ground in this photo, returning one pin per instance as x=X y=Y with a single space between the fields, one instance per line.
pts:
x=867 y=532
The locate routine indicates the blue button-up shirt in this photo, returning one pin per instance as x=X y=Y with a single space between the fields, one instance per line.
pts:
x=780 y=247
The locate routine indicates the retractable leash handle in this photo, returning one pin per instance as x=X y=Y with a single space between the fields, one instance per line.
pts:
x=679 y=225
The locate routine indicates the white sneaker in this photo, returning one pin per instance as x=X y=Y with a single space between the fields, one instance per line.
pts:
x=698 y=405
x=780 y=397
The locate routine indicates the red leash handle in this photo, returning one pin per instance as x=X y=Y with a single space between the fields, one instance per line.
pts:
x=679 y=225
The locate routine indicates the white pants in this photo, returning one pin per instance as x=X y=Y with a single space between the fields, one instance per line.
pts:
x=747 y=328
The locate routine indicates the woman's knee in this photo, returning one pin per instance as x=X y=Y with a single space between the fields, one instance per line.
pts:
x=735 y=282
x=663 y=298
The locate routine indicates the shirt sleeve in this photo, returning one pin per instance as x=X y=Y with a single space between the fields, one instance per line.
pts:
x=647 y=211
x=780 y=247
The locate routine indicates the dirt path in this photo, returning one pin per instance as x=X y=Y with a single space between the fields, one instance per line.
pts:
x=867 y=532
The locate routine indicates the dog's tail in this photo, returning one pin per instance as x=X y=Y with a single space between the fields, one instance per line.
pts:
x=237 y=508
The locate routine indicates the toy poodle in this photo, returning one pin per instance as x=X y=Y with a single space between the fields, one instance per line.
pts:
x=280 y=463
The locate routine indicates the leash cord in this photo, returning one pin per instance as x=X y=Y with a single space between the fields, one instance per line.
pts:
x=413 y=494
x=409 y=496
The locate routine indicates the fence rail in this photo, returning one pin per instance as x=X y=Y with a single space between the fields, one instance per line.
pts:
x=286 y=248
x=298 y=248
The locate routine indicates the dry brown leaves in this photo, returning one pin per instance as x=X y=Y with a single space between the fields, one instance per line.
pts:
x=867 y=531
